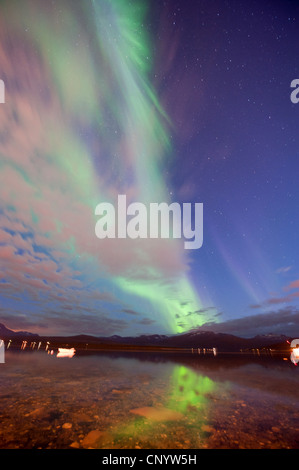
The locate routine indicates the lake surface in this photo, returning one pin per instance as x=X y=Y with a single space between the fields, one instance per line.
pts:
x=148 y=401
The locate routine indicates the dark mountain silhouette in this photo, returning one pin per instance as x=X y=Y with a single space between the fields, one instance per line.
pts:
x=5 y=333
x=192 y=339
x=202 y=339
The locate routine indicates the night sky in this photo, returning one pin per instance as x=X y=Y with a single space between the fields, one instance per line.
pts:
x=169 y=101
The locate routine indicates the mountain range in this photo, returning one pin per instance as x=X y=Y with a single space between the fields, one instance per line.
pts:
x=192 y=339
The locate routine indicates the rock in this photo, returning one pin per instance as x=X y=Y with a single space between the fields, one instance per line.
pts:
x=67 y=426
x=157 y=414
x=122 y=390
x=275 y=429
x=75 y=445
x=36 y=412
x=92 y=438
x=82 y=417
x=207 y=428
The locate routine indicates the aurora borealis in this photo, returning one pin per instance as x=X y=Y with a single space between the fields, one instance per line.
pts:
x=161 y=101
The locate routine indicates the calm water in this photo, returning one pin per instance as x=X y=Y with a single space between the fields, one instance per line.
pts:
x=148 y=401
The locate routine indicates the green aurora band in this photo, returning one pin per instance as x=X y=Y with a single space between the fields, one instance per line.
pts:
x=110 y=137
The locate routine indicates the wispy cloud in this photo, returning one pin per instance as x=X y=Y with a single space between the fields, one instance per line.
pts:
x=146 y=321
x=283 y=299
x=130 y=312
x=283 y=269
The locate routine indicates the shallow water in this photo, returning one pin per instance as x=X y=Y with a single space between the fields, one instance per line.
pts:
x=148 y=401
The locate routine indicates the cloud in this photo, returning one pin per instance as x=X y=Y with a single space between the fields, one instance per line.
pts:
x=146 y=321
x=282 y=299
x=283 y=270
x=204 y=311
x=293 y=285
x=218 y=314
x=66 y=323
x=103 y=296
x=283 y=321
x=130 y=312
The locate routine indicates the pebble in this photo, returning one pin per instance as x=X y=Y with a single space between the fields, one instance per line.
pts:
x=275 y=429
x=207 y=428
x=82 y=417
x=75 y=445
x=158 y=414
x=92 y=438
x=67 y=425
x=37 y=412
